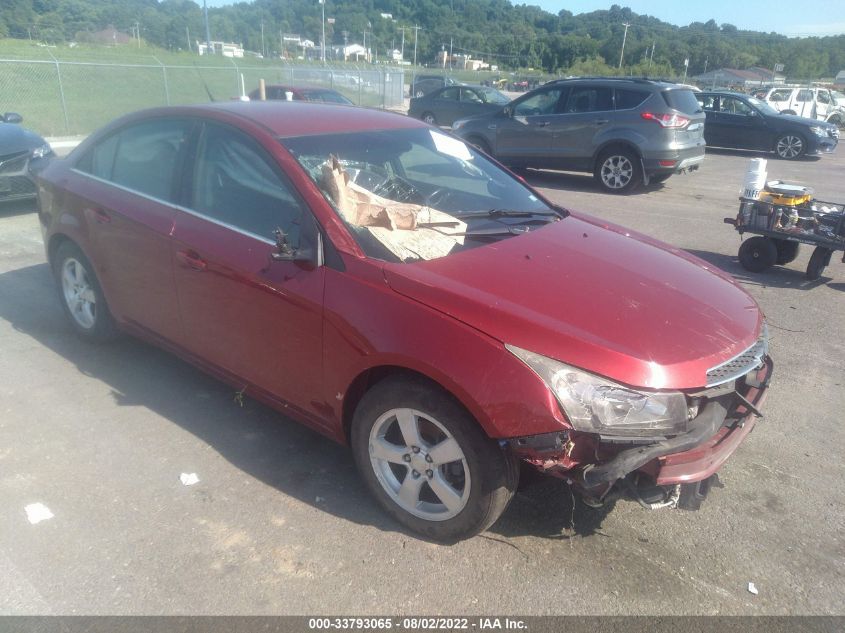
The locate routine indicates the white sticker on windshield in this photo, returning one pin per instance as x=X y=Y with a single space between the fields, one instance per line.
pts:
x=450 y=146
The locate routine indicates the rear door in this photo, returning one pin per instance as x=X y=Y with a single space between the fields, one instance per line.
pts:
x=583 y=112
x=128 y=198
x=258 y=319
x=446 y=106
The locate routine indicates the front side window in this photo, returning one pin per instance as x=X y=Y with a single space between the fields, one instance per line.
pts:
x=780 y=96
x=416 y=194
x=824 y=97
x=235 y=182
x=707 y=102
x=730 y=105
x=469 y=95
x=543 y=102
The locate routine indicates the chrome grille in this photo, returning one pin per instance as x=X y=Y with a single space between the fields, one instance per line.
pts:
x=13 y=163
x=740 y=364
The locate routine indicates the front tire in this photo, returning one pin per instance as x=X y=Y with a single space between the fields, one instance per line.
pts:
x=481 y=144
x=80 y=293
x=428 y=463
x=618 y=170
x=429 y=118
x=757 y=254
x=818 y=262
x=790 y=146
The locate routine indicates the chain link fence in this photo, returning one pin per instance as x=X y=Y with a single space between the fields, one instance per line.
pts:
x=64 y=98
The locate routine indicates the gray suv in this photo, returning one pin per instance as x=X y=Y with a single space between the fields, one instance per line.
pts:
x=627 y=132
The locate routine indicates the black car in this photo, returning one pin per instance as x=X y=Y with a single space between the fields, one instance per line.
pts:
x=19 y=150
x=456 y=102
x=735 y=120
x=425 y=84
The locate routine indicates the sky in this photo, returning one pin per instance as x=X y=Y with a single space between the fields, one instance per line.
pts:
x=787 y=17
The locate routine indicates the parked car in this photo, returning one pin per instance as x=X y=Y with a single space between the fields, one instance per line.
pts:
x=20 y=150
x=301 y=93
x=740 y=121
x=444 y=106
x=813 y=103
x=422 y=85
x=627 y=132
x=389 y=286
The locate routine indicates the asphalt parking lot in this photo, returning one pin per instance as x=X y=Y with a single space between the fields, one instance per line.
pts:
x=280 y=524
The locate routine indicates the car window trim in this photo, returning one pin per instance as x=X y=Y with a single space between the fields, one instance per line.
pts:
x=178 y=207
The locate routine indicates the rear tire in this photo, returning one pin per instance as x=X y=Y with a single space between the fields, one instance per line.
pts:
x=428 y=463
x=81 y=296
x=618 y=170
x=757 y=254
x=429 y=118
x=818 y=262
x=787 y=251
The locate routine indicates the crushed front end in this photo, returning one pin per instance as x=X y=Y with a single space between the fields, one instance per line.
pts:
x=670 y=469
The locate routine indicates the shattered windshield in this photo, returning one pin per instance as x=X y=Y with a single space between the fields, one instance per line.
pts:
x=417 y=194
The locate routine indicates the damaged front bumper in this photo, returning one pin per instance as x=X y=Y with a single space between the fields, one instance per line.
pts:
x=596 y=465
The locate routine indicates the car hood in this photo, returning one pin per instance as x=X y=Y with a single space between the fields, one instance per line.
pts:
x=15 y=139
x=595 y=296
x=802 y=121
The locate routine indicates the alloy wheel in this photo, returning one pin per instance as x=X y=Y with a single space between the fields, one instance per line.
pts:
x=617 y=171
x=419 y=464
x=79 y=294
x=790 y=146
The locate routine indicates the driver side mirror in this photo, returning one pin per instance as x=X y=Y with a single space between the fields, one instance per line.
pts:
x=308 y=255
x=12 y=117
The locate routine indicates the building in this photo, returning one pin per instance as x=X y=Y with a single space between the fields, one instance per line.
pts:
x=839 y=81
x=732 y=77
x=226 y=49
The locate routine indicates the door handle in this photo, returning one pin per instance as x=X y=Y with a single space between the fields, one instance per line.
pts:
x=100 y=216
x=541 y=124
x=192 y=260
x=601 y=121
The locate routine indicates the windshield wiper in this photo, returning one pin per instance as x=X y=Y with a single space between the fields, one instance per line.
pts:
x=506 y=213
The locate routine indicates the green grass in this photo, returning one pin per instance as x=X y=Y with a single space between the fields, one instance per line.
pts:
x=102 y=83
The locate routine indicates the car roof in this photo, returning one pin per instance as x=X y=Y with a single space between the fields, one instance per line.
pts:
x=642 y=81
x=300 y=118
x=723 y=93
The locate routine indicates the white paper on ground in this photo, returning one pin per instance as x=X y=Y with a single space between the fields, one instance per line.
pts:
x=752 y=588
x=37 y=512
x=188 y=479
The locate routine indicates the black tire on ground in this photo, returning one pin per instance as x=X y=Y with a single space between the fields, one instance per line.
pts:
x=80 y=294
x=818 y=261
x=429 y=118
x=487 y=477
x=757 y=254
x=790 y=146
x=787 y=251
x=618 y=170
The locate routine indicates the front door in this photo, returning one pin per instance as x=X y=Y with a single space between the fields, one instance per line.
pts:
x=259 y=319
x=526 y=135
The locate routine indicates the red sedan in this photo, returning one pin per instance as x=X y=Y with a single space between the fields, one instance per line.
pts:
x=395 y=289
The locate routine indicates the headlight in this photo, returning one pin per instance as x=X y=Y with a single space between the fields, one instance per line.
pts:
x=598 y=405
x=41 y=152
x=818 y=131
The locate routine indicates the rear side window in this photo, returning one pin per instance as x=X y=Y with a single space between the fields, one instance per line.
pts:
x=628 y=99
x=804 y=96
x=141 y=157
x=589 y=99
x=683 y=100
x=779 y=96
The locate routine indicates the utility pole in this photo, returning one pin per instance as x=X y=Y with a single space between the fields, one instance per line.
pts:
x=402 y=48
x=624 y=37
x=188 y=37
x=416 y=30
x=263 y=48
x=208 y=49
x=323 y=47
x=651 y=57
x=450 y=53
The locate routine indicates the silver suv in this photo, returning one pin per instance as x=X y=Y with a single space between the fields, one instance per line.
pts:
x=627 y=132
